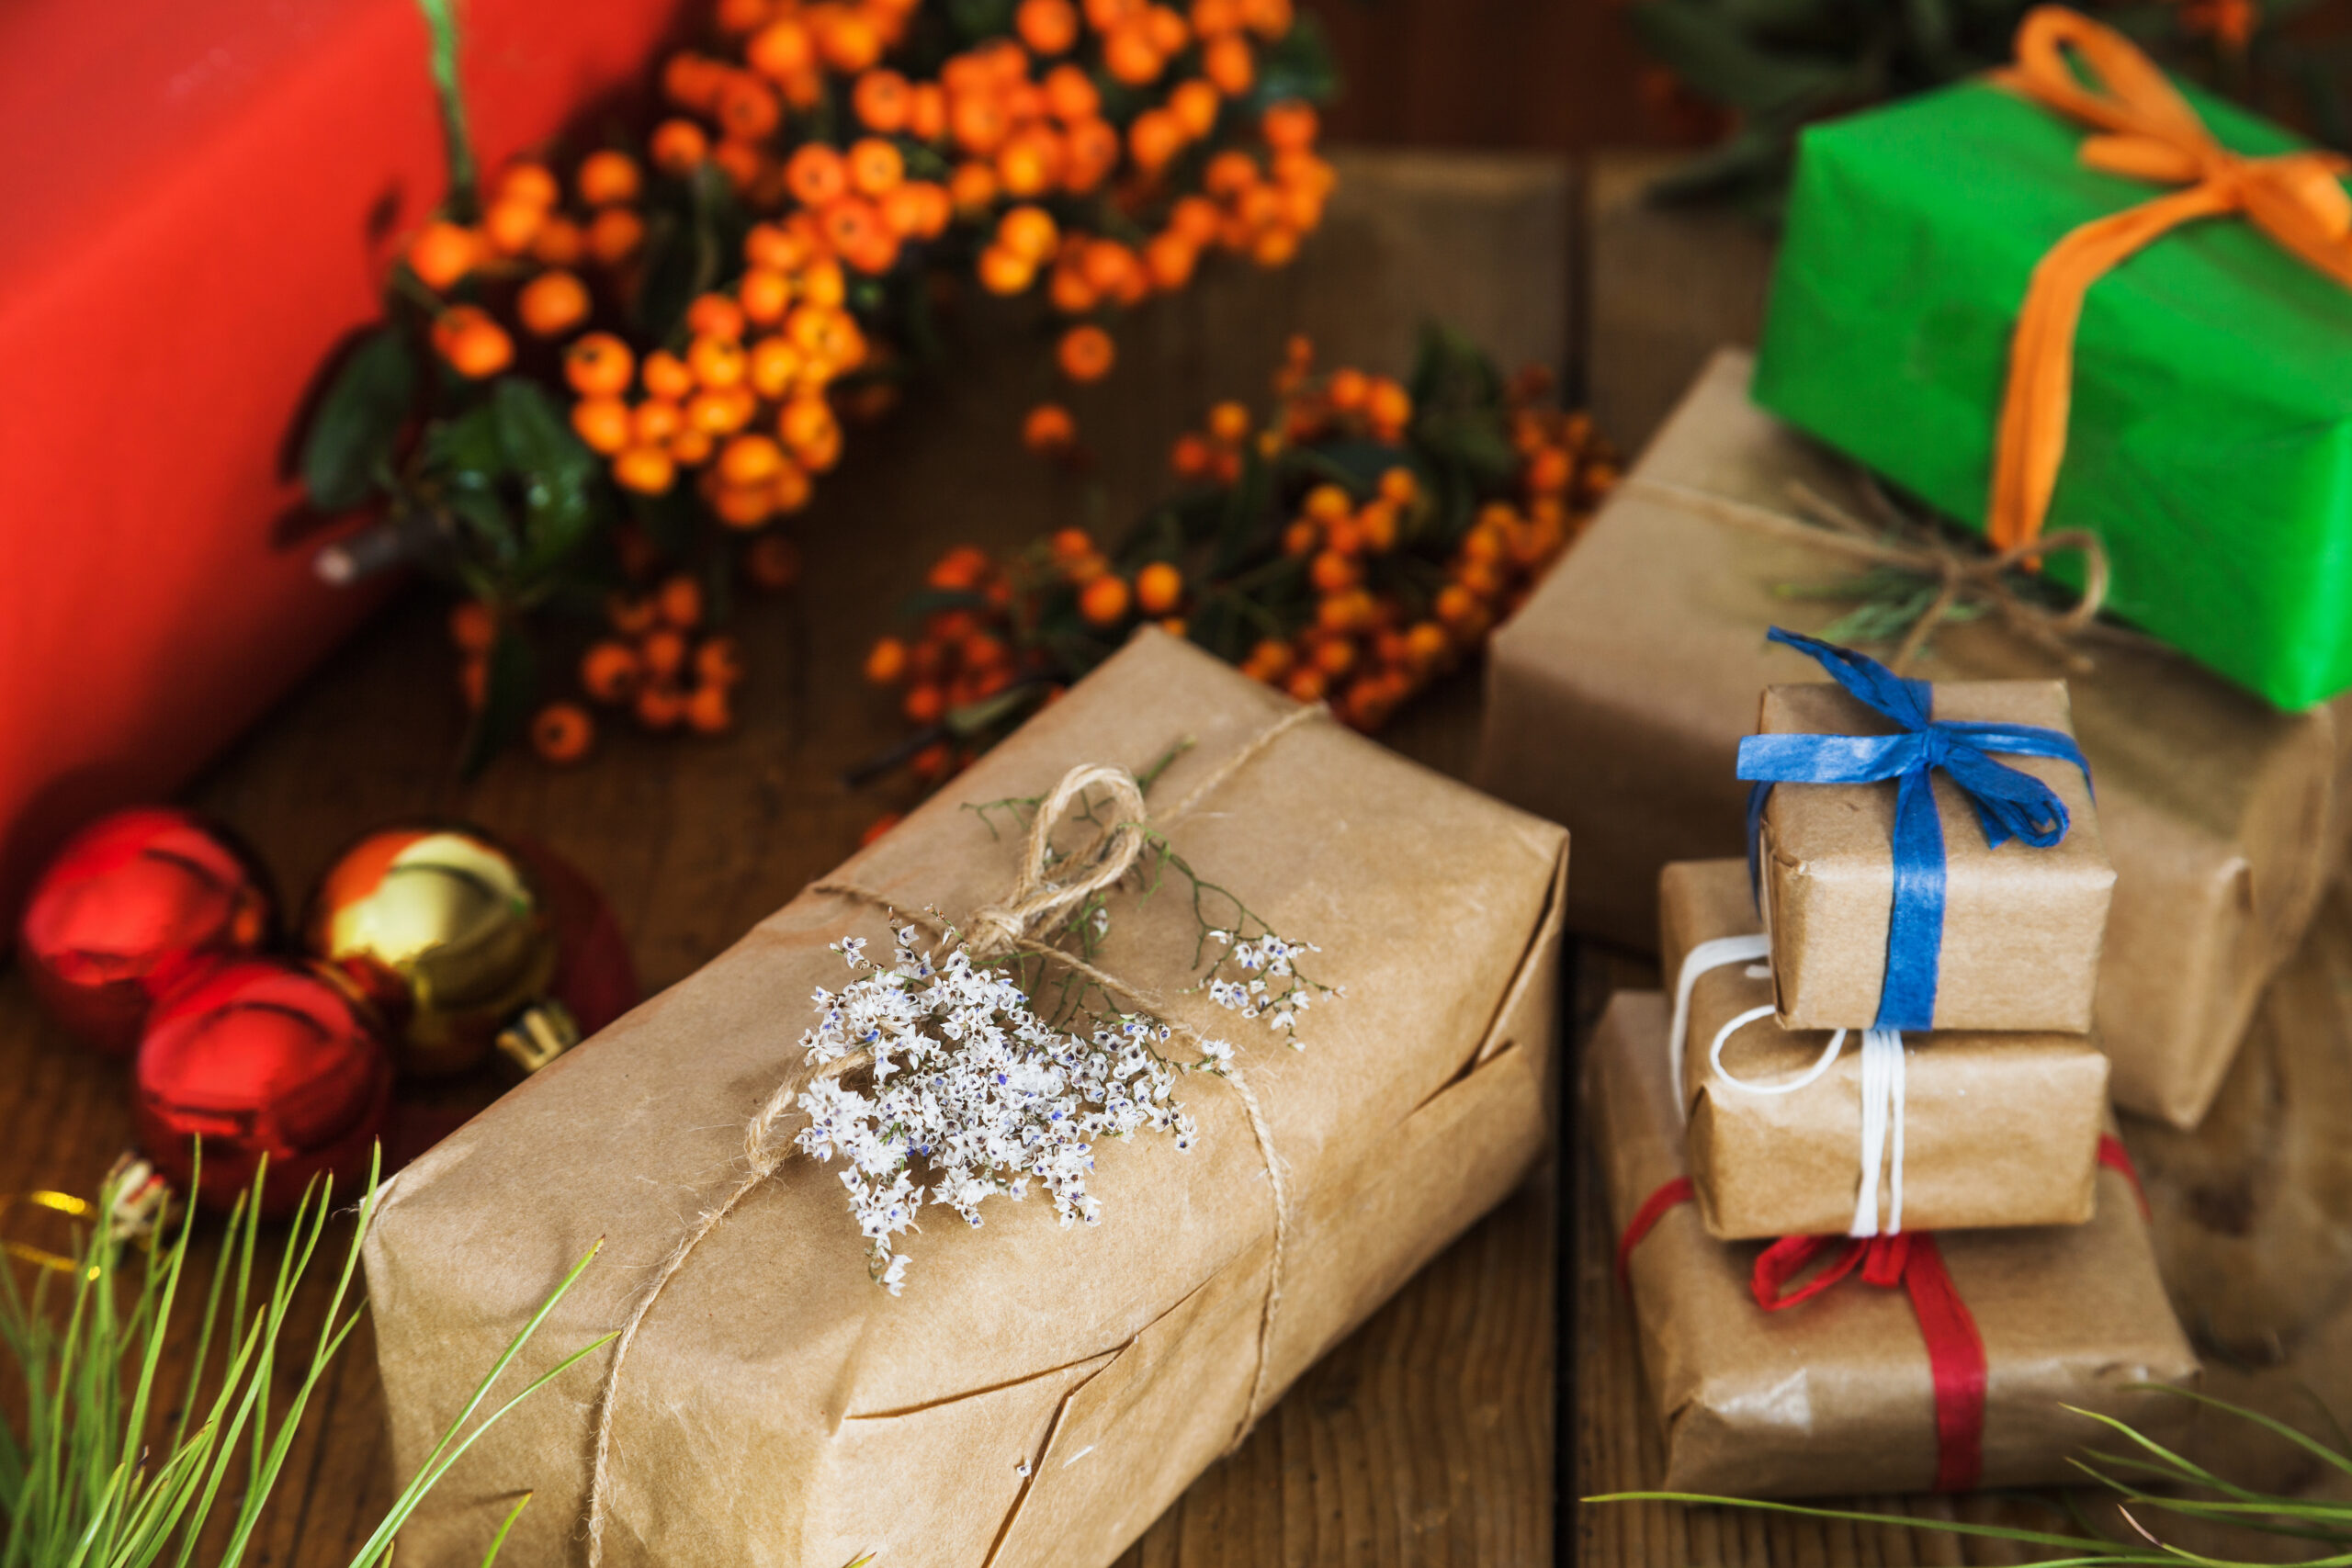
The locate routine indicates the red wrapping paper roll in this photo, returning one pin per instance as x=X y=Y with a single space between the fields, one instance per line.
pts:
x=201 y=199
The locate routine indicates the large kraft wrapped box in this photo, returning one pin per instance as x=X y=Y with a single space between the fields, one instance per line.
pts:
x=1617 y=698
x=2253 y=1209
x=2000 y=1129
x=1837 y=1394
x=2019 y=942
x=1036 y=1396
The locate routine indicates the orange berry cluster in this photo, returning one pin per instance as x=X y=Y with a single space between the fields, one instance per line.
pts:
x=1366 y=651
x=525 y=238
x=1095 y=152
x=1378 y=584
x=963 y=656
x=1008 y=142
x=656 y=661
x=745 y=402
x=654 y=665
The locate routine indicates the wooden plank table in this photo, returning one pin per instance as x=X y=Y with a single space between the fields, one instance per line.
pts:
x=1427 y=1437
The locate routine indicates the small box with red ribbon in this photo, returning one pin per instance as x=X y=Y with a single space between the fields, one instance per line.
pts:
x=1894 y=1362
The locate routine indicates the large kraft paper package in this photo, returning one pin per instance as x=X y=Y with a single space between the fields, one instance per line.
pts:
x=2019 y=943
x=1836 y=1395
x=1617 y=697
x=1999 y=1128
x=1037 y=1396
x=2253 y=1209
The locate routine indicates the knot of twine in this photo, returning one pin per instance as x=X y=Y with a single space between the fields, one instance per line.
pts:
x=1034 y=902
x=1963 y=577
x=1038 y=902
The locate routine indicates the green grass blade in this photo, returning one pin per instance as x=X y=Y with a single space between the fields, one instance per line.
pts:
x=443 y=1454
x=1855 y=1516
x=497 y=1541
x=2309 y=1444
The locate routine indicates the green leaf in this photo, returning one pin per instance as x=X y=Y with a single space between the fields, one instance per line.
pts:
x=981 y=18
x=1245 y=510
x=1708 y=50
x=693 y=242
x=509 y=697
x=557 y=473
x=670 y=519
x=1298 y=66
x=358 y=420
x=482 y=518
x=1755 y=156
x=467 y=449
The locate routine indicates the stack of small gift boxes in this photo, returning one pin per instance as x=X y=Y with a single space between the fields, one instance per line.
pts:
x=1878 y=1230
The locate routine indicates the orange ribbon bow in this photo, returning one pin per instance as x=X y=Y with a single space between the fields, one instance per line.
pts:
x=2147 y=132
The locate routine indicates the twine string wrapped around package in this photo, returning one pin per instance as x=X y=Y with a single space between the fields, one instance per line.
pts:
x=1963 y=578
x=1039 y=900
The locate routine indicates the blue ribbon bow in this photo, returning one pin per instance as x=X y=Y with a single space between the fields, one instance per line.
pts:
x=2009 y=802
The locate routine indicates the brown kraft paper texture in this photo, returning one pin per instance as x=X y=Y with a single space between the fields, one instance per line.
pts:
x=1999 y=1128
x=2022 y=925
x=2253 y=1209
x=1037 y=1396
x=1617 y=697
x=1834 y=1395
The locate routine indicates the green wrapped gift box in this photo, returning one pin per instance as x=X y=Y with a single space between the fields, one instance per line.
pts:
x=2211 y=440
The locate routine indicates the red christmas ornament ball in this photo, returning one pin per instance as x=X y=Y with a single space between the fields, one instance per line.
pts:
x=132 y=905
x=261 y=1056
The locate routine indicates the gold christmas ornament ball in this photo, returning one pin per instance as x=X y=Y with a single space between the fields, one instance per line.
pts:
x=446 y=930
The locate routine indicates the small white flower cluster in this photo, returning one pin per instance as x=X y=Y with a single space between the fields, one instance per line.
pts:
x=1272 y=988
x=969 y=1082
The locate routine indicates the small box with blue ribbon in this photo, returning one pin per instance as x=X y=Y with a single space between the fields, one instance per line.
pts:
x=1927 y=857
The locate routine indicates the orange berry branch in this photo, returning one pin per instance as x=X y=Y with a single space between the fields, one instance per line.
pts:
x=592 y=387
x=1353 y=547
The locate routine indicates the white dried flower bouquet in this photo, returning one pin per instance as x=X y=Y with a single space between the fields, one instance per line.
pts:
x=968 y=1079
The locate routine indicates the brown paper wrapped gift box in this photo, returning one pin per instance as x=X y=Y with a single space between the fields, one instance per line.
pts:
x=1036 y=1396
x=2018 y=946
x=1616 y=699
x=2253 y=1209
x=1836 y=1395
x=1999 y=1128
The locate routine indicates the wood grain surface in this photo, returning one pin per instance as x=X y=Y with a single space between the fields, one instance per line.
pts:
x=1426 y=1437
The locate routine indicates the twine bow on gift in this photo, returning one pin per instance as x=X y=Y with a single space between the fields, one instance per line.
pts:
x=1046 y=888
x=1966 y=579
x=1039 y=901
x=2009 y=804
x=2145 y=130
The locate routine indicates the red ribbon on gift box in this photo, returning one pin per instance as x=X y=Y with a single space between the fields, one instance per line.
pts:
x=1909 y=1258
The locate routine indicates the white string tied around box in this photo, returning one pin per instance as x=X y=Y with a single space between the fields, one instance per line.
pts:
x=1882 y=1085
